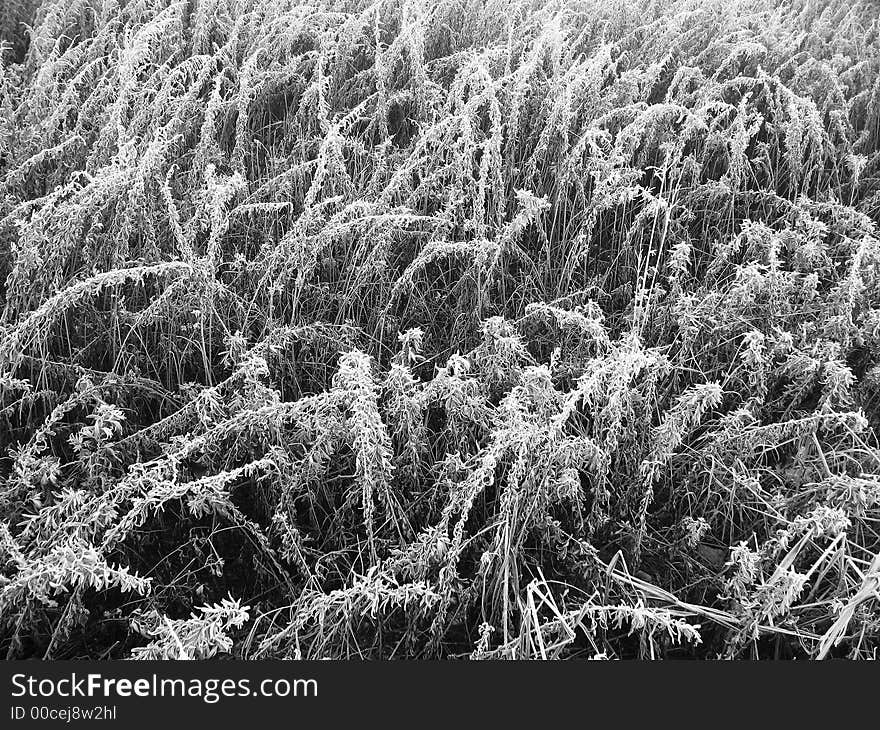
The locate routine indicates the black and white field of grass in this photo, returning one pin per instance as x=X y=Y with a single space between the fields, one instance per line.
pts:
x=378 y=329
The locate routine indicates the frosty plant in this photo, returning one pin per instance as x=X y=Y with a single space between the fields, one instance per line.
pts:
x=402 y=328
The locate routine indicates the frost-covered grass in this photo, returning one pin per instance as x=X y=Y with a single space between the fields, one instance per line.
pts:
x=484 y=328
